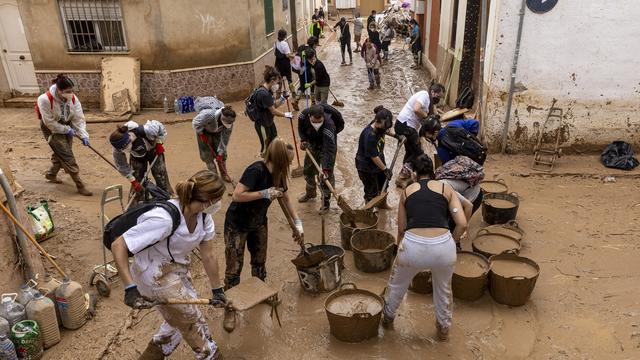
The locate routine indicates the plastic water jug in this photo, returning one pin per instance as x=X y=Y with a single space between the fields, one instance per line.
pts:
x=7 y=349
x=27 y=292
x=48 y=287
x=11 y=310
x=70 y=302
x=176 y=106
x=26 y=337
x=42 y=310
x=5 y=329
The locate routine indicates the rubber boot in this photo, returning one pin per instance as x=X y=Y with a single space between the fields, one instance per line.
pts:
x=52 y=174
x=82 y=190
x=310 y=193
x=442 y=332
x=152 y=352
x=326 y=204
x=229 y=321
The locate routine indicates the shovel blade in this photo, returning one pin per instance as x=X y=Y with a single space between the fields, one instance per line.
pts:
x=376 y=201
x=308 y=259
x=338 y=103
x=297 y=172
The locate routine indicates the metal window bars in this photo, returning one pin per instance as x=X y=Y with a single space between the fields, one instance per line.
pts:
x=93 y=25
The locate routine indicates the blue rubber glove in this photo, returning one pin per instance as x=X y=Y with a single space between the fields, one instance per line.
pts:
x=71 y=132
x=85 y=141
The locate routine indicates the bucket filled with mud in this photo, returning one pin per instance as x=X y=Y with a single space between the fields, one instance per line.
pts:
x=498 y=186
x=512 y=278
x=373 y=250
x=488 y=243
x=421 y=283
x=511 y=229
x=500 y=208
x=353 y=314
x=470 y=276
x=364 y=220
x=325 y=276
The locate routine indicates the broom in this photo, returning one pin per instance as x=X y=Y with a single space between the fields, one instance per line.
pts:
x=297 y=172
x=336 y=102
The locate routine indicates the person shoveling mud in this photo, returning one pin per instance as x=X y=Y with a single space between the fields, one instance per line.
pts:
x=161 y=258
x=213 y=128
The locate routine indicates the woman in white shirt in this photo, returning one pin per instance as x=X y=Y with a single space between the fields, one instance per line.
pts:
x=160 y=267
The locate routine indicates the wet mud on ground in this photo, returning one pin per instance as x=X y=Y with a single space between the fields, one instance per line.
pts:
x=583 y=234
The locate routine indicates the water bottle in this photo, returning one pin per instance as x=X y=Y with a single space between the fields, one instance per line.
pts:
x=27 y=293
x=5 y=329
x=7 y=349
x=11 y=310
x=176 y=106
x=165 y=104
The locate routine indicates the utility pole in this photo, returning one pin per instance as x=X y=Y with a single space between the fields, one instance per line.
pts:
x=294 y=23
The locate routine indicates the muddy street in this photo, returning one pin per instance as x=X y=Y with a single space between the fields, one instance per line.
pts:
x=581 y=231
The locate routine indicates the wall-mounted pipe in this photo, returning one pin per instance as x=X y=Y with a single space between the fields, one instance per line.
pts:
x=22 y=240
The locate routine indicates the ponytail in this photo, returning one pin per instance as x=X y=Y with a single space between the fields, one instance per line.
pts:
x=203 y=186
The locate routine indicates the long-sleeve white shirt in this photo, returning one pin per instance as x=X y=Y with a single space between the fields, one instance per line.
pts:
x=155 y=133
x=63 y=115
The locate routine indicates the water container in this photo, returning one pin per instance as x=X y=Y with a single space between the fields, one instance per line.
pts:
x=26 y=336
x=5 y=329
x=7 y=349
x=176 y=106
x=70 y=301
x=165 y=104
x=48 y=287
x=27 y=292
x=11 y=310
x=42 y=310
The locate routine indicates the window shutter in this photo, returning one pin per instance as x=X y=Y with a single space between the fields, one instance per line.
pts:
x=268 y=16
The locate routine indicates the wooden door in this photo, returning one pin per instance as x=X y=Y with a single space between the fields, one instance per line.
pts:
x=14 y=50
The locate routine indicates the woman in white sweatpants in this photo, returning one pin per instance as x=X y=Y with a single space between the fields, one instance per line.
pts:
x=424 y=242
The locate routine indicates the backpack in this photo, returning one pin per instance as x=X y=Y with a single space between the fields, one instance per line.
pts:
x=251 y=108
x=461 y=142
x=278 y=53
x=336 y=116
x=51 y=100
x=465 y=99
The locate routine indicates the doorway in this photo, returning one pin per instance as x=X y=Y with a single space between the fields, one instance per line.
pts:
x=14 y=51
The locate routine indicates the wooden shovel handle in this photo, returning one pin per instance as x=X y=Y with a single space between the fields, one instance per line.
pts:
x=287 y=215
x=326 y=181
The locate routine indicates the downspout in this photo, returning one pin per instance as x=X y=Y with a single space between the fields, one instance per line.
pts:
x=514 y=68
x=294 y=24
x=483 y=42
x=22 y=240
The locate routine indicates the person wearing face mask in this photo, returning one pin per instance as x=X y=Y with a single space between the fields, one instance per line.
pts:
x=143 y=143
x=160 y=267
x=267 y=106
x=62 y=119
x=370 y=162
x=319 y=134
x=419 y=106
x=213 y=130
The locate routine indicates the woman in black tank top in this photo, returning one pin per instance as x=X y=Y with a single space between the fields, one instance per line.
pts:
x=424 y=242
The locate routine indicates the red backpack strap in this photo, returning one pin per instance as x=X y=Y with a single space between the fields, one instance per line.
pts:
x=73 y=99
x=50 y=96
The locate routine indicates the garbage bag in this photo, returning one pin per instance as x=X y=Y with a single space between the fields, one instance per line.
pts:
x=41 y=220
x=619 y=155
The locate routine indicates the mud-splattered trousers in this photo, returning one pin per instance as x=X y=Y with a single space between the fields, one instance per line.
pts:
x=416 y=254
x=412 y=147
x=159 y=170
x=218 y=141
x=62 y=157
x=172 y=280
x=234 y=243
x=310 y=172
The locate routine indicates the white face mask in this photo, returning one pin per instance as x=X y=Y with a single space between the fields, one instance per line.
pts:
x=275 y=88
x=317 y=126
x=211 y=210
x=67 y=96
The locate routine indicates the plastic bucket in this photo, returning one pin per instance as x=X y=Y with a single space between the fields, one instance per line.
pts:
x=373 y=250
x=325 y=276
x=489 y=244
x=500 y=208
x=364 y=220
x=470 y=276
x=353 y=314
x=511 y=229
x=498 y=186
x=421 y=283
x=512 y=278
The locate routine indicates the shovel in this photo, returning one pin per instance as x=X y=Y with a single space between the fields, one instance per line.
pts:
x=305 y=259
x=336 y=102
x=144 y=180
x=102 y=156
x=297 y=172
x=348 y=211
x=148 y=304
x=383 y=195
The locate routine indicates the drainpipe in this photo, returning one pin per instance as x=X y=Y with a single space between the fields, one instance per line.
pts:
x=483 y=44
x=505 y=130
x=294 y=24
x=22 y=240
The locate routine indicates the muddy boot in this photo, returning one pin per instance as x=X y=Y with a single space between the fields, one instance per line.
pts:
x=386 y=322
x=326 y=204
x=442 y=332
x=152 y=352
x=309 y=194
x=229 y=321
x=82 y=190
x=52 y=178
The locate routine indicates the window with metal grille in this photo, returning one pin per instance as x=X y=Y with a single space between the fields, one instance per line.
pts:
x=268 y=17
x=93 y=25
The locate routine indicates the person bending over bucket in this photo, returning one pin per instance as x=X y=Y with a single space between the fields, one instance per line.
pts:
x=160 y=265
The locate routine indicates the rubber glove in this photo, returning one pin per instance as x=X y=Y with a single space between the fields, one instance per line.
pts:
x=271 y=193
x=388 y=173
x=288 y=115
x=204 y=138
x=71 y=132
x=298 y=224
x=85 y=141
x=134 y=299
x=219 y=298
x=159 y=149
x=136 y=185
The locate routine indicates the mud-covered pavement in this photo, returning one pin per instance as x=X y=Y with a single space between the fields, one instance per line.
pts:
x=581 y=231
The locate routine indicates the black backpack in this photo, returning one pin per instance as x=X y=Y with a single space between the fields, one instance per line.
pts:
x=251 y=108
x=465 y=99
x=279 y=55
x=336 y=116
x=461 y=142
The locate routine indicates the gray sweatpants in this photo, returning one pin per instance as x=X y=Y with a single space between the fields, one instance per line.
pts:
x=418 y=253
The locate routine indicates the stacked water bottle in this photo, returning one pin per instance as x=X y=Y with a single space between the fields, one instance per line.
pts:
x=29 y=321
x=183 y=104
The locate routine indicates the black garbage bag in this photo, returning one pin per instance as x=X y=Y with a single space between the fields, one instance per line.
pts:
x=619 y=155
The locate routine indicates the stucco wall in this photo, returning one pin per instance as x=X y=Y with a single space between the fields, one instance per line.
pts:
x=583 y=53
x=200 y=33
x=5 y=90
